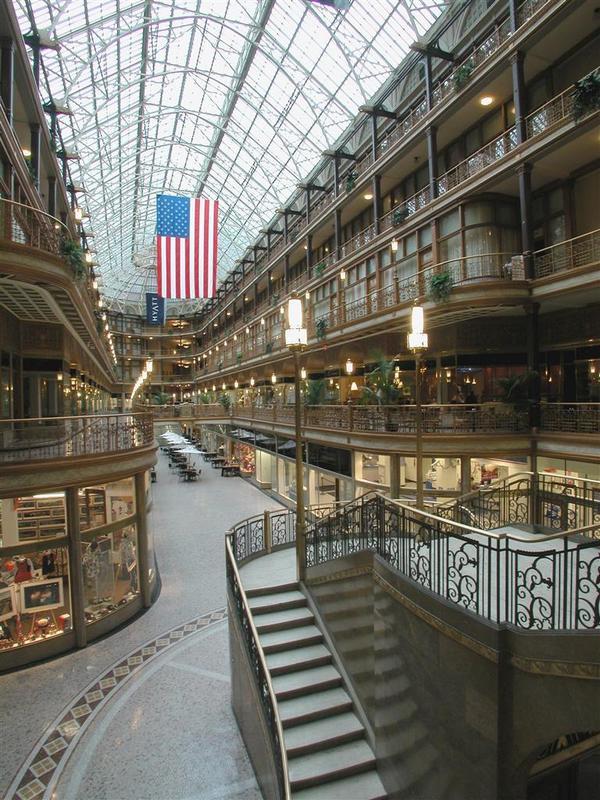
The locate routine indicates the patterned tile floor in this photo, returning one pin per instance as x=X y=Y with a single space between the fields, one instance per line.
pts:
x=152 y=698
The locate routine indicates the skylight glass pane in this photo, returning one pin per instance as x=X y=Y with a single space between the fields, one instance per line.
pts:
x=236 y=98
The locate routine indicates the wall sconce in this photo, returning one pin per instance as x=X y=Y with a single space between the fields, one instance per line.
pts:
x=303 y=374
x=235 y=384
x=252 y=381
x=342 y=274
x=353 y=387
x=395 y=245
x=273 y=379
x=349 y=366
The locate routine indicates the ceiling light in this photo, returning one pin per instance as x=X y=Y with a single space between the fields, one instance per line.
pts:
x=486 y=100
x=368 y=196
x=26 y=152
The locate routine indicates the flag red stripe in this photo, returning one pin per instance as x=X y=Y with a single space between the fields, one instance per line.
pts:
x=196 y=255
x=215 y=214
x=206 y=265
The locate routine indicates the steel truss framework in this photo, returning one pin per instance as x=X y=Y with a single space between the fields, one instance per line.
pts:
x=232 y=99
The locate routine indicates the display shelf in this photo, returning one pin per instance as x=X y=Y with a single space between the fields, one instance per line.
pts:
x=41 y=518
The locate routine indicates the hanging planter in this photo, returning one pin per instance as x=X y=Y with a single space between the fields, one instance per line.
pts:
x=351 y=179
x=74 y=256
x=440 y=286
x=399 y=215
x=321 y=329
x=319 y=269
x=462 y=75
x=586 y=95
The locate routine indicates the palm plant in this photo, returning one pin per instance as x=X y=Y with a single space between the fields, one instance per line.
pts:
x=380 y=388
x=315 y=392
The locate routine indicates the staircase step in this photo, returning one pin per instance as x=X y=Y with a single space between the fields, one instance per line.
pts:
x=276 y=602
x=306 y=681
x=314 y=655
x=323 y=733
x=299 y=710
x=281 y=620
x=292 y=637
x=366 y=786
x=330 y=764
x=263 y=590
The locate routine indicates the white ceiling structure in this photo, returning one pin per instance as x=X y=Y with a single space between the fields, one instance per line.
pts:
x=229 y=99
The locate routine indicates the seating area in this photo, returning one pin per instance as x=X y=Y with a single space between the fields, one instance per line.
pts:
x=181 y=450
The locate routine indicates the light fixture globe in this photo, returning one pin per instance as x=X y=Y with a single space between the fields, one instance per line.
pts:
x=296 y=334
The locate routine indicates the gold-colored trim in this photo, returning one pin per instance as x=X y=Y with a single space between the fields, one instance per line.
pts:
x=556 y=669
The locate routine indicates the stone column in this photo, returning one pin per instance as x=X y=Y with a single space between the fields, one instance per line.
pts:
x=377 y=202
x=395 y=474
x=518 y=82
x=75 y=567
x=142 y=532
x=432 y=159
x=524 y=175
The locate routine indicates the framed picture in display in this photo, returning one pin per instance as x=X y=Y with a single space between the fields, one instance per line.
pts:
x=8 y=603
x=41 y=596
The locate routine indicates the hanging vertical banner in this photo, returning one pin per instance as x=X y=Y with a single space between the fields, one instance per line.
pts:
x=155 y=309
x=186 y=246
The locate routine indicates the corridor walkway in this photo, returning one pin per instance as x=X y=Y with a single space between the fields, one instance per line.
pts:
x=144 y=713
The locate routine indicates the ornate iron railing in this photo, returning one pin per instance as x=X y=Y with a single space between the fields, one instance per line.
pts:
x=437 y=419
x=570 y=417
x=581 y=251
x=48 y=438
x=26 y=225
x=536 y=583
x=260 y=670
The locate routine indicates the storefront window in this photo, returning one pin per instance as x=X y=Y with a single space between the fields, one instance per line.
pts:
x=110 y=571
x=32 y=519
x=372 y=468
x=35 y=601
x=99 y=505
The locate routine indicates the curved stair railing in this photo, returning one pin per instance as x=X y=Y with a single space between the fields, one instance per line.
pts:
x=260 y=670
x=530 y=581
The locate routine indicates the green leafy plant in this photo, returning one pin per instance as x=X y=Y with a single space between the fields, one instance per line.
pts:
x=238 y=357
x=160 y=399
x=205 y=398
x=314 y=394
x=74 y=256
x=462 y=75
x=399 y=215
x=440 y=286
x=516 y=388
x=319 y=269
x=380 y=388
x=351 y=179
x=586 y=95
x=321 y=329
x=269 y=347
x=225 y=401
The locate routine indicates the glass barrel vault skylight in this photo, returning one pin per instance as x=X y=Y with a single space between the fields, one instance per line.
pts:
x=234 y=99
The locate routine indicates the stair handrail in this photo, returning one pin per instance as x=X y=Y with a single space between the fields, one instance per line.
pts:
x=260 y=669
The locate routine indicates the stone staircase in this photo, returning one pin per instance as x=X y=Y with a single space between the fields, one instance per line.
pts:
x=329 y=757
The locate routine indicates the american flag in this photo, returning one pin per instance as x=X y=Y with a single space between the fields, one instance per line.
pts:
x=186 y=245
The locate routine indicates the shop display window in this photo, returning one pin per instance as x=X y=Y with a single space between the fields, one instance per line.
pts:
x=32 y=519
x=372 y=468
x=35 y=601
x=110 y=571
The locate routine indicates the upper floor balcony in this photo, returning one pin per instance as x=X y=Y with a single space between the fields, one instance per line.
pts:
x=35 y=453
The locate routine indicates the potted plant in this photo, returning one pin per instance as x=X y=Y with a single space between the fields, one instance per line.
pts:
x=399 y=215
x=225 y=401
x=269 y=347
x=351 y=179
x=440 y=286
x=380 y=384
x=462 y=75
x=315 y=392
x=321 y=329
x=74 y=256
x=320 y=268
x=515 y=389
x=586 y=95
x=238 y=357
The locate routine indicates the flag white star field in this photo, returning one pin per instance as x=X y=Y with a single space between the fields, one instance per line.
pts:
x=186 y=245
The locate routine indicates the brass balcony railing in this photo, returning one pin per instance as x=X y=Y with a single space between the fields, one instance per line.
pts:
x=581 y=251
x=48 y=438
x=570 y=417
x=25 y=225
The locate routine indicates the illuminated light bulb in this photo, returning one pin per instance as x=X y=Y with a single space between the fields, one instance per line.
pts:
x=307 y=295
x=349 y=366
x=223 y=386
x=342 y=274
x=247 y=330
x=395 y=245
x=273 y=378
x=235 y=384
x=353 y=387
x=303 y=373
x=252 y=381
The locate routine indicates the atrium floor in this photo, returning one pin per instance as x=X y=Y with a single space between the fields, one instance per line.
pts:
x=166 y=729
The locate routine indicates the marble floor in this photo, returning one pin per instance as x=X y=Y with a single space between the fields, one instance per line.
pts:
x=144 y=713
